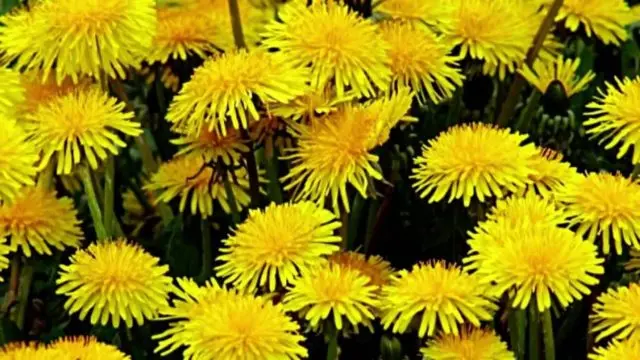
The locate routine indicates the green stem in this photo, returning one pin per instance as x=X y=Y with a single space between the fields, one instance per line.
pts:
x=252 y=170
x=14 y=282
x=534 y=331
x=635 y=172
x=207 y=264
x=527 y=113
x=354 y=220
x=372 y=216
x=455 y=106
x=517 y=324
x=344 y=229
x=231 y=199
x=109 y=194
x=275 y=192
x=547 y=332
x=509 y=105
x=162 y=103
x=236 y=24
x=148 y=161
x=94 y=206
x=23 y=294
x=45 y=179
x=332 y=348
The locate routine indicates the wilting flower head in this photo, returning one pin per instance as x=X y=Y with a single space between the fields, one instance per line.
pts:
x=211 y=145
x=535 y=260
x=334 y=151
x=198 y=184
x=499 y=32
x=84 y=348
x=11 y=92
x=616 y=313
x=335 y=42
x=476 y=344
x=438 y=295
x=430 y=11
x=222 y=90
x=615 y=115
x=604 y=205
x=473 y=160
x=551 y=172
x=275 y=245
x=36 y=220
x=74 y=38
x=332 y=293
x=421 y=60
x=377 y=269
x=604 y=19
x=18 y=157
x=80 y=125
x=626 y=349
x=560 y=70
x=214 y=323
x=114 y=281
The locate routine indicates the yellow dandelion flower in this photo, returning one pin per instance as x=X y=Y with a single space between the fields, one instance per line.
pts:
x=337 y=43
x=212 y=145
x=18 y=157
x=430 y=71
x=615 y=115
x=333 y=293
x=91 y=37
x=275 y=245
x=334 y=151
x=82 y=124
x=223 y=89
x=138 y=214
x=560 y=70
x=627 y=349
x=315 y=102
x=39 y=91
x=616 y=313
x=473 y=160
x=477 y=344
x=377 y=269
x=114 y=281
x=499 y=32
x=198 y=184
x=438 y=295
x=84 y=348
x=11 y=94
x=213 y=323
x=604 y=205
x=550 y=172
x=24 y=351
x=28 y=220
x=604 y=19
x=535 y=260
x=429 y=11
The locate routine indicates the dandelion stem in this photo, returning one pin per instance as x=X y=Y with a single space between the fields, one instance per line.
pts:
x=527 y=113
x=271 y=162
x=148 y=161
x=109 y=193
x=332 y=348
x=231 y=199
x=354 y=220
x=372 y=217
x=534 y=331
x=207 y=266
x=26 y=278
x=635 y=172
x=45 y=179
x=236 y=24
x=14 y=282
x=344 y=229
x=511 y=101
x=517 y=324
x=94 y=206
x=547 y=333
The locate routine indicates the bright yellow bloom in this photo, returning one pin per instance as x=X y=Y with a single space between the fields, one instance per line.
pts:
x=331 y=293
x=114 y=281
x=616 y=116
x=558 y=70
x=5 y=249
x=604 y=205
x=18 y=157
x=425 y=65
x=224 y=87
x=314 y=103
x=71 y=38
x=25 y=351
x=471 y=344
x=337 y=43
x=616 y=350
x=84 y=348
x=551 y=172
x=616 y=313
x=429 y=11
x=535 y=259
x=213 y=323
x=275 y=245
x=499 y=32
x=190 y=178
x=11 y=92
x=37 y=220
x=80 y=125
x=211 y=145
x=334 y=151
x=40 y=92
x=604 y=19
x=438 y=295
x=377 y=269
x=473 y=160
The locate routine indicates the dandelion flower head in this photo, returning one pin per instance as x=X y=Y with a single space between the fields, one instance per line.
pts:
x=18 y=159
x=474 y=160
x=616 y=313
x=314 y=103
x=560 y=70
x=377 y=269
x=41 y=91
x=24 y=351
x=476 y=344
x=626 y=349
x=84 y=348
x=550 y=172
x=11 y=94
x=431 y=12
x=606 y=206
x=116 y=281
x=212 y=145
x=439 y=295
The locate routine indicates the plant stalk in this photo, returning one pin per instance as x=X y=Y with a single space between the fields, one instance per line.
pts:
x=527 y=113
x=207 y=257
x=547 y=335
x=236 y=24
x=534 y=331
x=275 y=192
x=23 y=294
x=517 y=325
x=109 y=194
x=231 y=199
x=635 y=172
x=14 y=282
x=354 y=220
x=94 y=205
